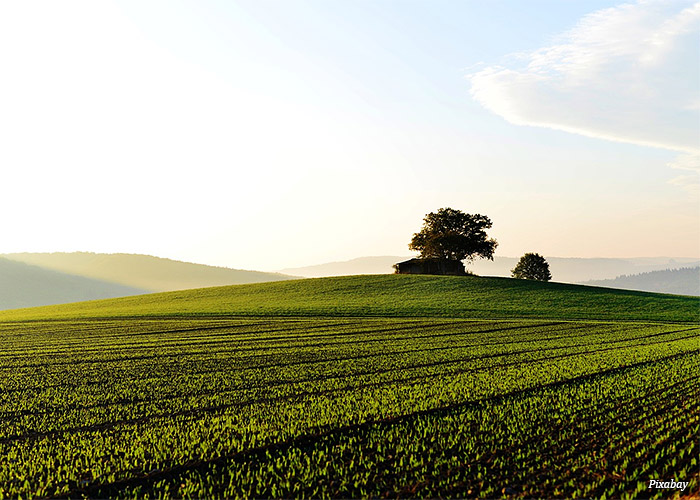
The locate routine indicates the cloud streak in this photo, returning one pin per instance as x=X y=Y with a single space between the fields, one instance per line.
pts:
x=688 y=181
x=630 y=73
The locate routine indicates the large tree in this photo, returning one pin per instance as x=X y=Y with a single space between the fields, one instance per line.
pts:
x=454 y=235
x=532 y=266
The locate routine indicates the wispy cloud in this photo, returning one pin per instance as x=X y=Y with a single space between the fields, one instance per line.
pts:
x=630 y=73
x=688 y=181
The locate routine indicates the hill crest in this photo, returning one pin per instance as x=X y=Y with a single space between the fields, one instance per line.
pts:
x=392 y=296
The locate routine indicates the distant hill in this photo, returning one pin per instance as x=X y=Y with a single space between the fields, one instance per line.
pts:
x=22 y=285
x=564 y=269
x=152 y=274
x=684 y=281
x=361 y=265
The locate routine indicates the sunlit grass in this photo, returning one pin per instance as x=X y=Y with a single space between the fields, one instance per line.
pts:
x=392 y=296
x=344 y=407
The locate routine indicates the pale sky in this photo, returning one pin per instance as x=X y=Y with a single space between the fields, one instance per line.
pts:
x=268 y=134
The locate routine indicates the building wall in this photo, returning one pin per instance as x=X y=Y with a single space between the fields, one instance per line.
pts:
x=430 y=266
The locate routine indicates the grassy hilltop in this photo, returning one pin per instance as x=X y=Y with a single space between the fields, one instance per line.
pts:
x=394 y=296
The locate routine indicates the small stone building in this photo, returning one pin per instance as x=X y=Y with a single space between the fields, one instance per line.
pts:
x=430 y=266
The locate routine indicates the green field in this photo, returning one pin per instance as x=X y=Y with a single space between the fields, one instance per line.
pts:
x=397 y=386
x=391 y=296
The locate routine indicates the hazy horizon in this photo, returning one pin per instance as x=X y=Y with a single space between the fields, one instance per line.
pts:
x=480 y=266
x=276 y=134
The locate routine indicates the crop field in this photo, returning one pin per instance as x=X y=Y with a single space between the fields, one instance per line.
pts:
x=224 y=406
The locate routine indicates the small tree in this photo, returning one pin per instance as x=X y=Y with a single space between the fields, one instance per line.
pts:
x=532 y=266
x=453 y=235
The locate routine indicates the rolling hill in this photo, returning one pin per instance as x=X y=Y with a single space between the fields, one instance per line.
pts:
x=144 y=272
x=23 y=285
x=391 y=295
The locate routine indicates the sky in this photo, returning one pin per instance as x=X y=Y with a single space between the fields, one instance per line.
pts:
x=269 y=134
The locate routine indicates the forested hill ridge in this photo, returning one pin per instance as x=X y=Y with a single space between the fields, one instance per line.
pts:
x=145 y=272
x=683 y=281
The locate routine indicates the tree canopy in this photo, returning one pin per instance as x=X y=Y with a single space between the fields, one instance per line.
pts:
x=532 y=266
x=452 y=234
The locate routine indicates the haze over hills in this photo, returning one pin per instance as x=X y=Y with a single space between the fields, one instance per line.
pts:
x=153 y=274
x=36 y=279
x=564 y=269
x=23 y=285
x=683 y=281
x=361 y=265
